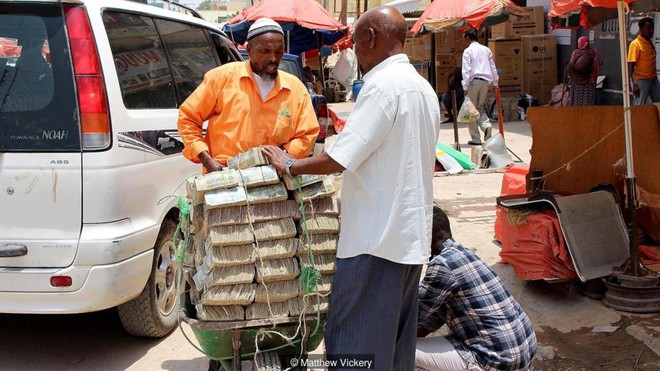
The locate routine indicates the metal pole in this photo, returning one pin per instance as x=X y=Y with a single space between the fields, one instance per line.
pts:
x=630 y=172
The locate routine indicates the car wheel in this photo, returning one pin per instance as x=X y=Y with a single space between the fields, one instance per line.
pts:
x=153 y=313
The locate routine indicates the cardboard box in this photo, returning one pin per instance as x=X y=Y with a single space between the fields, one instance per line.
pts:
x=449 y=40
x=422 y=67
x=539 y=65
x=508 y=57
x=418 y=47
x=531 y=24
x=447 y=60
x=510 y=90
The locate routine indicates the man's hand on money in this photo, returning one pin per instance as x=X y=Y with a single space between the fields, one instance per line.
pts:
x=276 y=157
x=209 y=163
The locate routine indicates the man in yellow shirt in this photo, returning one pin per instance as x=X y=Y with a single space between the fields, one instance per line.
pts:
x=248 y=104
x=641 y=64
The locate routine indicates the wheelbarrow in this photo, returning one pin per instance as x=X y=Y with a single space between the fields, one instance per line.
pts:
x=228 y=343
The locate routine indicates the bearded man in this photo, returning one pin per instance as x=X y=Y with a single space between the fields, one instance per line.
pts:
x=248 y=104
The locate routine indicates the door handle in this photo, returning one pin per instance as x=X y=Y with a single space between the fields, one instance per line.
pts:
x=10 y=250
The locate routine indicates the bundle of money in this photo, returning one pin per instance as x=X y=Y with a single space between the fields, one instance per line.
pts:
x=324 y=188
x=292 y=183
x=252 y=213
x=227 y=178
x=257 y=176
x=266 y=310
x=249 y=243
x=252 y=158
x=236 y=196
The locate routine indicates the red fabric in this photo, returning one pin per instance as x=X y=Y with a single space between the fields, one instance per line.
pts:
x=514 y=181
x=473 y=12
x=562 y=8
x=336 y=121
x=535 y=249
x=648 y=255
x=306 y=13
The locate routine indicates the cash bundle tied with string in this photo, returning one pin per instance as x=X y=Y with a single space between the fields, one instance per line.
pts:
x=260 y=247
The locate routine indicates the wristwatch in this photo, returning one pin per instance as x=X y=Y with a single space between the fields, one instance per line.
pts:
x=287 y=166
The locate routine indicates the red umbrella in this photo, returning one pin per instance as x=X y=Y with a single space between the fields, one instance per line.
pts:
x=473 y=13
x=590 y=12
x=306 y=23
x=306 y=13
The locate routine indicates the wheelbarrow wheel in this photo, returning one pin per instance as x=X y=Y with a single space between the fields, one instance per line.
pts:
x=267 y=361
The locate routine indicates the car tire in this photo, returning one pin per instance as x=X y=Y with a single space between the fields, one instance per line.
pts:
x=153 y=313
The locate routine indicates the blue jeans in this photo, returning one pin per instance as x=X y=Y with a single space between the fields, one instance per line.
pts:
x=648 y=88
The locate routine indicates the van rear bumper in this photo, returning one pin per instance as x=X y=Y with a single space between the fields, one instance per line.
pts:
x=105 y=286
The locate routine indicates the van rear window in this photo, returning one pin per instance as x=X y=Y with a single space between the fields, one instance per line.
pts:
x=38 y=109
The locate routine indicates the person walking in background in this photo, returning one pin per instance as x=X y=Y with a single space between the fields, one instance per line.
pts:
x=479 y=74
x=488 y=330
x=641 y=65
x=386 y=152
x=248 y=104
x=453 y=85
x=583 y=72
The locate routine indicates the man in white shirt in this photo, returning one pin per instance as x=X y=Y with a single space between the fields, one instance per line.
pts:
x=478 y=74
x=386 y=152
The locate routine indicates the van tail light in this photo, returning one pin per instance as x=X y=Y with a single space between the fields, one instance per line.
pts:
x=322 y=114
x=92 y=101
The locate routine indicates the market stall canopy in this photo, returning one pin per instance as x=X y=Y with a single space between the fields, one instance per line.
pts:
x=473 y=13
x=405 y=6
x=588 y=13
x=306 y=23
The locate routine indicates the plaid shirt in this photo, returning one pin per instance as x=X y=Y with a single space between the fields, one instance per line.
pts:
x=487 y=326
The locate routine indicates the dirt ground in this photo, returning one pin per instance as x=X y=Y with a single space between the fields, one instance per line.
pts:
x=584 y=349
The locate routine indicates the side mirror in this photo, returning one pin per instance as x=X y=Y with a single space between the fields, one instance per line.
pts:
x=310 y=87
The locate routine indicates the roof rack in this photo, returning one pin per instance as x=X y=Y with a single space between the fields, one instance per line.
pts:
x=176 y=7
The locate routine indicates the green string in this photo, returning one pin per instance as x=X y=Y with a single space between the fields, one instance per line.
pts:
x=309 y=276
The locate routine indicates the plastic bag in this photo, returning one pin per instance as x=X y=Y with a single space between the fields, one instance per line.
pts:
x=468 y=112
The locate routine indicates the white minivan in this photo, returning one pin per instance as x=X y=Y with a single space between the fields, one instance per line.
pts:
x=89 y=97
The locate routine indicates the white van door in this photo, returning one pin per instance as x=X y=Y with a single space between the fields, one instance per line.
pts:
x=40 y=146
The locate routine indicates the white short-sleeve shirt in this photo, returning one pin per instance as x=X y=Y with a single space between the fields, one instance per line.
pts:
x=388 y=150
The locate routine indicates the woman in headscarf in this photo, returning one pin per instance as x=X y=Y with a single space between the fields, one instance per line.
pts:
x=583 y=72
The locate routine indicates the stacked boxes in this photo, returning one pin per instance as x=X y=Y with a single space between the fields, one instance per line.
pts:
x=508 y=57
x=418 y=50
x=531 y=24
x=248 y=246
x=525 y=56
x=540 y=61
x=449 y=46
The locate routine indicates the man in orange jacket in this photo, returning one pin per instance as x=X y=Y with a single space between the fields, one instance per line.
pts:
x=248 y=104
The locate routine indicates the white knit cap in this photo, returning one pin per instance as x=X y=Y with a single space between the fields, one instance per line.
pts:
x=262 y=26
